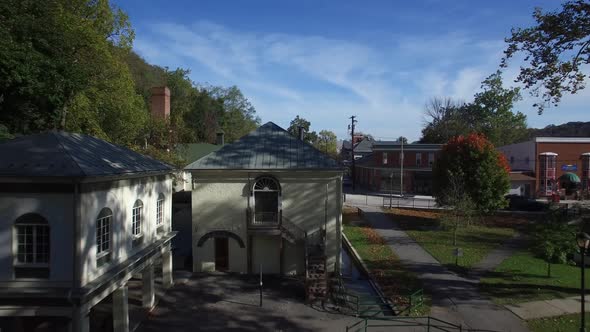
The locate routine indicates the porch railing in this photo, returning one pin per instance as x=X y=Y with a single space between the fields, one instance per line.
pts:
x=265 y=219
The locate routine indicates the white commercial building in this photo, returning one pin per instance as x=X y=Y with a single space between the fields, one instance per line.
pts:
x=78 y=218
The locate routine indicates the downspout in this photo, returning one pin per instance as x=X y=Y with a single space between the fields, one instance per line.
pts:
x=249 y=217
x=75 y=250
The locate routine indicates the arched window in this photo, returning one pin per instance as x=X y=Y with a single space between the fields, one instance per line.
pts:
x=160 y=210
x=266 y=201
x=32 y=246
x=103 y=236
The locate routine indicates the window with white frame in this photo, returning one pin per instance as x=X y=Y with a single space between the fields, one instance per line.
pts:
x=267 y=192
x=384 y=158
x=160 y=211
x=103 y=236
x=32 y=247
x=430 y=159
x=136 y=220
x=418 y=159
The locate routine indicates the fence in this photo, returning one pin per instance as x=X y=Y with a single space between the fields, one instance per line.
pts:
x=410 y=202
x=428 y=323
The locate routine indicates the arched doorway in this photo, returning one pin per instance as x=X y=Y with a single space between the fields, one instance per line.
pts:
x=221 y=247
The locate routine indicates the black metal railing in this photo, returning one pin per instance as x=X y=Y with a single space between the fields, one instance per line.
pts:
x=410 y=202
x=429 y=324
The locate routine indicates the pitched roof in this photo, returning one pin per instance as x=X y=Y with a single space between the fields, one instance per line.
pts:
x=268 y=147
x=346 y=145
x=61 y=154
x=194 y=151
x=364 y=146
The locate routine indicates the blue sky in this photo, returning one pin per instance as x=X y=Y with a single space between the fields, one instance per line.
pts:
x=328 y=60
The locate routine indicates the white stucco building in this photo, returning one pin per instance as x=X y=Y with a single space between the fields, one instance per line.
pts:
x=78 y=218
x=267 y=201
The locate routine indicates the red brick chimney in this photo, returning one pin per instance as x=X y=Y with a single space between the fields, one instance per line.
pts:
x=160 y=102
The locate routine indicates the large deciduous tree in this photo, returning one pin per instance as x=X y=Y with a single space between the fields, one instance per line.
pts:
x=310 y=137
x=60 y=67
x=482 y=171
x=490 y=112
x=556 y=51
x=326 y=142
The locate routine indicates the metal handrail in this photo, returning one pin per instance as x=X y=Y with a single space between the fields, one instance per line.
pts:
x=406 y=321
x=409 y=202
x=265 y=218
x=294 y=229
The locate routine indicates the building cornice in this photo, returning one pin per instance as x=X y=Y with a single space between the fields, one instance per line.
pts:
x=562 y=139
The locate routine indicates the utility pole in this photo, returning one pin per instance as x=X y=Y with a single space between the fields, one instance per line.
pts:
x=353 y=122
x=401 y=171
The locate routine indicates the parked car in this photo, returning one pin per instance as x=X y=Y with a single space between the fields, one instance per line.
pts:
x=520 y=203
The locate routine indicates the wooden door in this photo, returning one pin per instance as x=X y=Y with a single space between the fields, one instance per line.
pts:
x=221 y=254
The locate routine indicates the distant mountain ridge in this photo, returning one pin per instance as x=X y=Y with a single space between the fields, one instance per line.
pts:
x=570 y=129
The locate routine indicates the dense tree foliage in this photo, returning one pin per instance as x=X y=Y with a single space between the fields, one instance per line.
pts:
x=489 y=113
x=309 y=136
x=68 y=64
x=556 y=51
x=60 y=67
x=326 y=141
x=570 y=129
x=475 y=163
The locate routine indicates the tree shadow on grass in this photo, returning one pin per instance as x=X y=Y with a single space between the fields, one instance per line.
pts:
x=520 y=292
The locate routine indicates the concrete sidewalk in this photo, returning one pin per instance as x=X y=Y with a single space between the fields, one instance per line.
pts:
x=498 y=255
x=455 y=299
x=548 y=308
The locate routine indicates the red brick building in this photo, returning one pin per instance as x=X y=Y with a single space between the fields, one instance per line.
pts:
x=557 y=164
x=382 y=169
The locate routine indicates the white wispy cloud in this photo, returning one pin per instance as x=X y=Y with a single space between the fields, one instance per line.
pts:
x=326 y=80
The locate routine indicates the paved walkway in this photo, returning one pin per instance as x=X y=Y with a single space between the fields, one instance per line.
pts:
x=548 y=308
x=498 y=255
x=455 y=299
x=230 y=302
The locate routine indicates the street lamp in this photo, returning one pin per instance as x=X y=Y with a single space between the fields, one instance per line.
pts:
x=583 y=240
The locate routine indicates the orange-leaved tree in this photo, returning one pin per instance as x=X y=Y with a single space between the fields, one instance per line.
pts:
x=481 y=170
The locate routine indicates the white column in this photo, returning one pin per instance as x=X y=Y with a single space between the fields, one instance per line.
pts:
x=167 y=280
x=120 y=310
x=80 y=321
x=147 y=281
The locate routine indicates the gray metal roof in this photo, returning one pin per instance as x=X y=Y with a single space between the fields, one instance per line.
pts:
x=364 y=146
x=268 y=147
x=61 y=154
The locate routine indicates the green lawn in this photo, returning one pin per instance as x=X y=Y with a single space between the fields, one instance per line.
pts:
x=523 y=278
x=476 y=241
x=384 y=266
x=567 y=323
